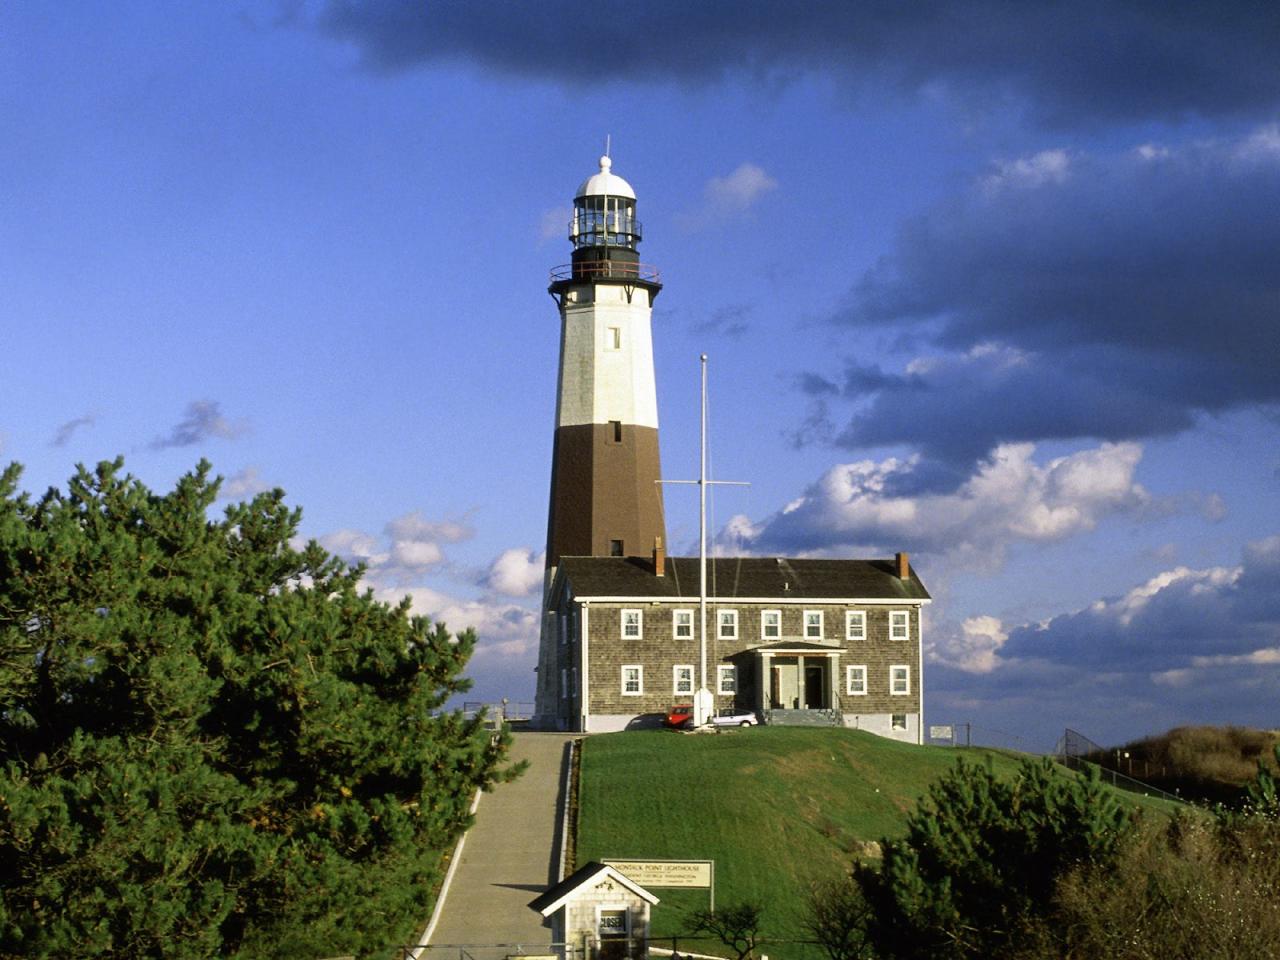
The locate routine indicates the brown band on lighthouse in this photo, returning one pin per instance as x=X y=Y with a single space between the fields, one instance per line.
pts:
x=604 y=490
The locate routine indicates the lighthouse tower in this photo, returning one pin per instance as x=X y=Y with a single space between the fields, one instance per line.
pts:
x=605 y=498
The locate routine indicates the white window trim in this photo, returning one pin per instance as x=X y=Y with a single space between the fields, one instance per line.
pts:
x=906 y=629
x=858 y=617
x=639 y=669
x=848 y=680
x=675 y=624
x=900 y=693
x=720 y=635
x=822 y=625
x=763 y=634
x=639 y=635
x=723 y=670
x=675 y=679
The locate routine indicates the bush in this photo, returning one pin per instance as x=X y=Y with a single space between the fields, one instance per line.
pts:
x=1193 y=887
x=983 y=857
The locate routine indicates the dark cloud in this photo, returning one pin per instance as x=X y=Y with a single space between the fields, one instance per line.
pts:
x=1067 y=61
x=729 y=321
x=203 y=420
x=1183 y=620
x=1188 y=646
x=1068 y=296
x=68 y=429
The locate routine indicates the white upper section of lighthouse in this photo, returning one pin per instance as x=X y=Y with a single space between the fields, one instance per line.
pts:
x=606 y=348
x=605 y=183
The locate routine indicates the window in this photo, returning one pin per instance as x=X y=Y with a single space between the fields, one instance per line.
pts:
x=899 y=625
x=898 y=721
x=771 y=625
x=613 y=338
x=564 y=628
x=855 y=625
x=632 y=680
x=613 y=924
x=632 y=624
x=728 y=624
x=899 y=680
x=682 y=624
x=682 y=678
x=726 y=678
x=615 y=430
x=564 y=684
x=813 y=624
x=855 y=680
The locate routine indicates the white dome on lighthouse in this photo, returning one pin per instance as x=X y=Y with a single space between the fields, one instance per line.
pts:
x=605 y=183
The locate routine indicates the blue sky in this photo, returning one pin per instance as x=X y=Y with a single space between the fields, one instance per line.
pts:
x=996 y=284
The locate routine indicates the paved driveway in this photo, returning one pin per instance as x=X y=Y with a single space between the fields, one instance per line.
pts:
x=509 y=856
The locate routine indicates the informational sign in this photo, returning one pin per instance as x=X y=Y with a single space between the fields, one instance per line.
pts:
x=941 y=732
x=699 y=874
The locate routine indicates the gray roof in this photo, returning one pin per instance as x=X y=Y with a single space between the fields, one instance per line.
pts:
x=772 y=577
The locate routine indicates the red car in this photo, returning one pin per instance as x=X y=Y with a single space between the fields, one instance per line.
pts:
x=681 y=715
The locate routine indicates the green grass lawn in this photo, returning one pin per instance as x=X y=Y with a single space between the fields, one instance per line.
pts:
x=775 y=807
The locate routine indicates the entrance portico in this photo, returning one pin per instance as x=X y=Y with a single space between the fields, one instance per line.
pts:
x=797 y=676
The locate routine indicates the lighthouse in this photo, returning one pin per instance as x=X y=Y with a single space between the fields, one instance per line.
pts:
x=628 y=633
x=605 y=497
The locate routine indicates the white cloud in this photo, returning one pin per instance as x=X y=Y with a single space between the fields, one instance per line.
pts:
x=1045 y=167
x=554 y=224
x=976 y=649
x=1009 y=498
x=413 y=526
x=1261 y=146
x=355 y=546
x=503 y=630
x=244 y=483
x=740 y=189
x=730 y=196
x=517 y=572
x=409 y=548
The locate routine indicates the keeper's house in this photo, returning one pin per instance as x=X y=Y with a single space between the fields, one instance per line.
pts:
x=795 y=641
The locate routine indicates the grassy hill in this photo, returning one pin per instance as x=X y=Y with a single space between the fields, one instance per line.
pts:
x=774 y=807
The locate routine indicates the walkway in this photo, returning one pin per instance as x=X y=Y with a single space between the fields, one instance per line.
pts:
x=509 y=856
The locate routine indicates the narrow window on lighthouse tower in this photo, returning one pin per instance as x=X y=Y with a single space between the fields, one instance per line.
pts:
x=614 y=338
x=615 y=428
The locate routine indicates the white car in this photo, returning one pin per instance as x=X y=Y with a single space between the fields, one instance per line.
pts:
x=735 y=720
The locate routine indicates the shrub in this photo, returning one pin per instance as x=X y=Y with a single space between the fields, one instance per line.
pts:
x=982 y=859
x=1193 y=887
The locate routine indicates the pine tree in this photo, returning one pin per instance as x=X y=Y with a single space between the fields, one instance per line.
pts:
x=212 y=741
x=982 y=858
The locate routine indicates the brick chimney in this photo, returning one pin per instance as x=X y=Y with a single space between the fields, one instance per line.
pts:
x=659 y=558
x=903 y=563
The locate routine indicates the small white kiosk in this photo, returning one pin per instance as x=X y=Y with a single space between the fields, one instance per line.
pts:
x=598 y=914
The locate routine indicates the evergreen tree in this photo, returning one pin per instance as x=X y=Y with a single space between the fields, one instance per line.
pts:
x=211 y=741
x=982 y=859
